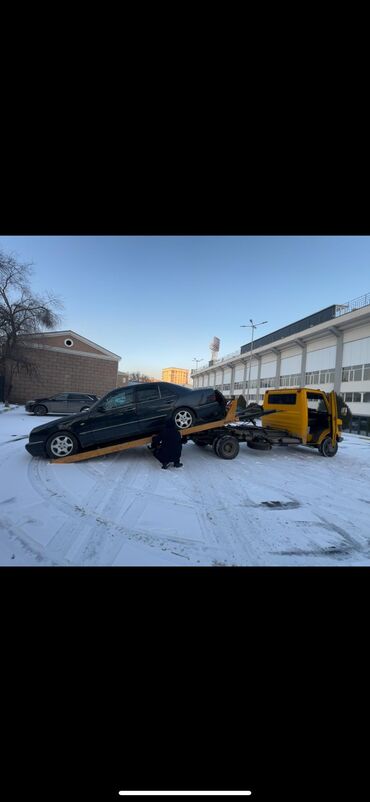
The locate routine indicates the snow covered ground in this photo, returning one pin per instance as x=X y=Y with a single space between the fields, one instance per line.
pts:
x=288 y=506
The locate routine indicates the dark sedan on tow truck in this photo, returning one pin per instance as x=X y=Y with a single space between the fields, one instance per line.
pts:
x=130 y=412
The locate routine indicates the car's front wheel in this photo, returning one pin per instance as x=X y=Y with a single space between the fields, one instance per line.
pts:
x=62 y=444
x=184 y=418
x=39 y=409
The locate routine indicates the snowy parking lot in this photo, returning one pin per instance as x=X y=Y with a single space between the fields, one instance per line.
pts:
x=288 y=506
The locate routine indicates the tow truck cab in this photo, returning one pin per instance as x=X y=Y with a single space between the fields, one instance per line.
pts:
x=311 y=415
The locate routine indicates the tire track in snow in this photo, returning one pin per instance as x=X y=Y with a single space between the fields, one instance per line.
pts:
x=92 y=537
x=17 y=536
x=221 y=521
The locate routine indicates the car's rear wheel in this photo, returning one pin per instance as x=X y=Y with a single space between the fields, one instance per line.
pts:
x=184 y=418
x=227 y=447
x=39 y=409
x=61 y=444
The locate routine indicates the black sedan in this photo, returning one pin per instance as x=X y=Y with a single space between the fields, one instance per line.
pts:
x=127 y=413
x=61 y=402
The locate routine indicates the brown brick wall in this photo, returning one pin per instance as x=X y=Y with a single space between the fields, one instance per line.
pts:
x=58 y=342
x=64 y=373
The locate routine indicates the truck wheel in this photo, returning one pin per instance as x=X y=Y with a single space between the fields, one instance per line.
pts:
x=259 y=445
x=215 y=444
x=227 y=447
x=326 y=448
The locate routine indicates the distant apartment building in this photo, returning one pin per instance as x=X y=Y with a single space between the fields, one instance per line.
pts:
x=329 y=350
x=175 y=375
x=64 y=361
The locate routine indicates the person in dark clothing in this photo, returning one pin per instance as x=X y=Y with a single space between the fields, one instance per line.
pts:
x=167 y=445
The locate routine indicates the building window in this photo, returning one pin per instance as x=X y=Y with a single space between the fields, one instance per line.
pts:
x=226 y=386
x=238 y=385
x=68 y=342
x=327 y=376
x=366 y=398
x=290 y=380
x=269 y=382
x=352 y=373
x=313 y=377
x=355 y=397
x=366 y=372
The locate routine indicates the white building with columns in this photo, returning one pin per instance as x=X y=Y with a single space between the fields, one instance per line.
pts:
x=329 y=349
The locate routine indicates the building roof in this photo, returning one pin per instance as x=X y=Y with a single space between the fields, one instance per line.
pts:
x=70 y=333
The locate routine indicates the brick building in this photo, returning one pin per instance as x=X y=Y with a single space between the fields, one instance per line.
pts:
x=65 y=361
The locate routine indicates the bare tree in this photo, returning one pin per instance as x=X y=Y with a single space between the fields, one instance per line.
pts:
x=21 y=313
x=137 y=377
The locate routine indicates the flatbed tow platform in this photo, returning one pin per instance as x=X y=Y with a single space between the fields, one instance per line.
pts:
x=142 y=441
x=223 y=435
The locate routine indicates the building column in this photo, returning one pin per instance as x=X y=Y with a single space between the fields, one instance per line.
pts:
x=258 y=377
x=232 y=380
x=338 y=363
x=303 y=365
x=245 y=377
x=278 y=365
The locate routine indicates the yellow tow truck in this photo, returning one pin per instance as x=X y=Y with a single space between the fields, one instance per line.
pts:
x=289 y=416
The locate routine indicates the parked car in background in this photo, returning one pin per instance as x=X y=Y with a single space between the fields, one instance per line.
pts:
x=61 y=402
x=136 y=410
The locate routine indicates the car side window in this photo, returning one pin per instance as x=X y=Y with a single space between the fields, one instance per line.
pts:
x=61 y=397
x=167 y=392
x=122 y=399
x=147 y=394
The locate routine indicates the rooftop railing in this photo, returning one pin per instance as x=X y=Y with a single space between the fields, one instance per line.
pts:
x=351 y=306
x=210 y=364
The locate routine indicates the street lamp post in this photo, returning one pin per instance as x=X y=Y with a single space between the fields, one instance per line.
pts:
x=252 y=326
x=196 y=361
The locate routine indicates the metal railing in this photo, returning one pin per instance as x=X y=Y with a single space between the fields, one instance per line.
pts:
x=351 y=306
x=207 y=366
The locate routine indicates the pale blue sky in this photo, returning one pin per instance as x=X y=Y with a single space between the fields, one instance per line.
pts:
x=159 y=301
